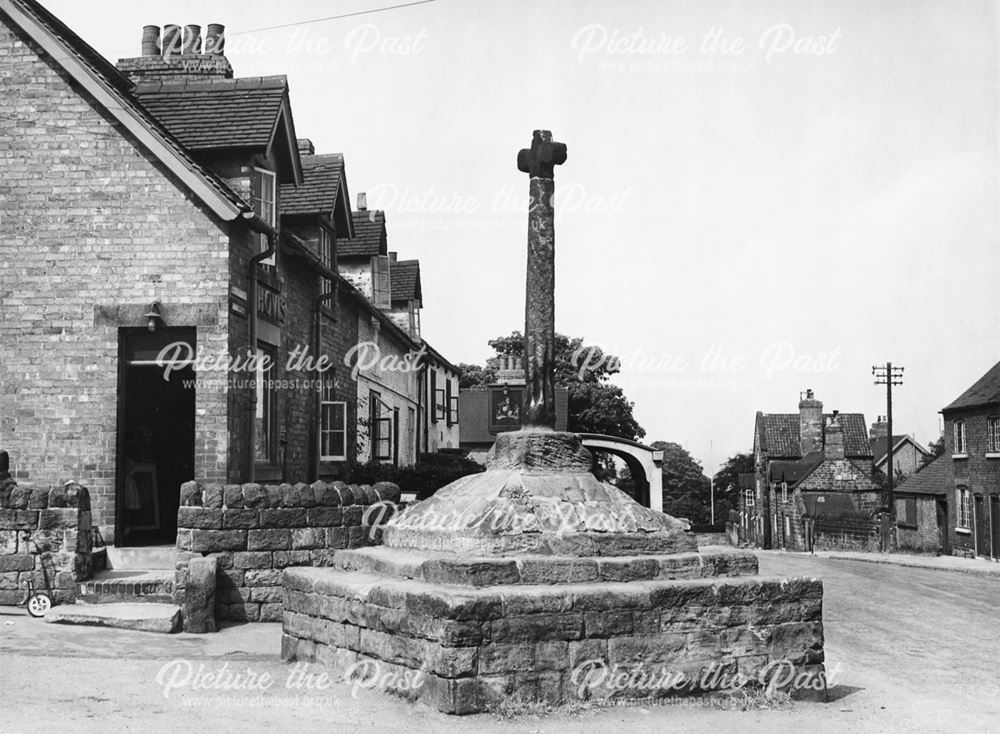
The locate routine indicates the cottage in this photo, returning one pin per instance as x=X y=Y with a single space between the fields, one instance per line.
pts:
x=922 y=509
x=907 y=455
x=972 y=445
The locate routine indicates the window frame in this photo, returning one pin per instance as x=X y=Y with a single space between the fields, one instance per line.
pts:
x=381 y=281
x=963 y=508
x=327 y=422
x=993 y=434
x=440 y=406
x=259 y=204
x=960 y=438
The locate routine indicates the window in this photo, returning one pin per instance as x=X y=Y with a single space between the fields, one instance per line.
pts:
x=411 y=438
x=326 y=256
x=453 y=410
x=748 y=498
x=266 y=448
x=381 y=294
x=963 y=507
x=333 y=424
x=784 y=491
x=993 y=435
x=959 y=437
x=414 y=313
x=440 y=406
x=433 y=396
x=381 y=427
x=909 y=514
x=262 y=189
x=447 y=399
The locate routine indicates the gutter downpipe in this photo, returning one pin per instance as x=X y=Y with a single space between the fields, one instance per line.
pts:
x=255 y=223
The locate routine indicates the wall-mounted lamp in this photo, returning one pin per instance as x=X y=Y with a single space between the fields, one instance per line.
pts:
x=153 y=316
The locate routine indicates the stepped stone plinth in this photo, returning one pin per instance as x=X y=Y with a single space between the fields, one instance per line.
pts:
x=534 y=579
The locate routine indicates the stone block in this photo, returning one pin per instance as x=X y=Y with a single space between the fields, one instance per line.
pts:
x=387 y=491
x=336 y=537
x=283 y=517
x=212 y=495
x=543 y=570
x=283 y=559
x=19 y=498
x=321 y=517
x=208 y=541
x=238 y=612
x=232 y=495
x=267 y=594
x=627 y=568
x=478 y=572
x=39 y=499
x=270 y=612
x=519 y=600
x=198 y=609
x=253 y=559
x=232 y=595
x=308 y=538
x=648 y=649
x=191 y=494
x=537 y=627
x=263 y=577
x=19 y=562
x=307 y=498
x=60 y=518
x=274 y=496
x=326 y=495
x=290 y=496
x=607 y=624
x=358 y=536
x=270 y=538
x=199 y=517
x=254 y=496
x=241 y=519
x=353 y=514
x=502 y=658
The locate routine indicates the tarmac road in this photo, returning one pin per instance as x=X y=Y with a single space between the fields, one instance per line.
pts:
x=908 y=650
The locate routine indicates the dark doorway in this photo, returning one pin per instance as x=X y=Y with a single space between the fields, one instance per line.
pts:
x=995 y=524
x=944 y=542
x=982 y=529
x=156 y=425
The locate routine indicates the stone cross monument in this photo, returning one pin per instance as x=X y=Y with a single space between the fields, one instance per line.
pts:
x=539 y=162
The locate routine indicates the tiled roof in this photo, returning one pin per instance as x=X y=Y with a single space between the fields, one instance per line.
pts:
x=321 y=175
x=405 y=280
x=217 y=113
x=795 y=471
x=746 y=481
x=984 y=391
x=832 y=506
x=119 y=85
x=938 y=477
x=369 y=235
x=780 y=434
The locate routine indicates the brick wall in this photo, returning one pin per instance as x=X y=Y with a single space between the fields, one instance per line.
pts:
x=978 y=472
x=922 y=537
x=89 y=220
x=45 y=536
x=254 y=531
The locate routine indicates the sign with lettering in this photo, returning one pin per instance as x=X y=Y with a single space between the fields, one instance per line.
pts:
x=271 y=305
x=505 y=409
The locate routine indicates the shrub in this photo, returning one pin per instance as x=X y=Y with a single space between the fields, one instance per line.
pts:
x=429 y=474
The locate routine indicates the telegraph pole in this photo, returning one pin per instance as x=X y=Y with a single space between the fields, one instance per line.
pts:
x=888 y=375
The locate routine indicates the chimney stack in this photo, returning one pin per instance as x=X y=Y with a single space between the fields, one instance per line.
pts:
x=362 y=202
x=879 y=429
x=151 y=40
x=810 y=423
x=305 y=146
x=392 y=257
x=178 y=56
x=834 y=448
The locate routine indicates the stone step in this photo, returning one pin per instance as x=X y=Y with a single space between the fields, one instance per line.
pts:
x=164 y=618
x=144 y=558
x=110 y=587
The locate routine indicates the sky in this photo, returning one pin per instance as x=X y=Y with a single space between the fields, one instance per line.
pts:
x=759 y=198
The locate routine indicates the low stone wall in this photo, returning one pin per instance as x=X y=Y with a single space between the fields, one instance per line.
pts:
x=463 y=650
x=254 y=531
x=44 y=535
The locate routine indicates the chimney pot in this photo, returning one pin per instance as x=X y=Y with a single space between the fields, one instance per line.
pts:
x=192 y=40
x=363 y=201
x=151 y=40
x=392 y=257
x=171 y=40
x=215 y=39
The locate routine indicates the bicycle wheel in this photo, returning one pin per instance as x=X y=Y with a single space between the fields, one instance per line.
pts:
x=38 y=604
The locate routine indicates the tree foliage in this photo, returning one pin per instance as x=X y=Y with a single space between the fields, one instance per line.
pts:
x=686 y=489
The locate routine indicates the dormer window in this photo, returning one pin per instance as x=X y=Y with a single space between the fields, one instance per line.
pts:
x=381 y=292
x=326 y=257
x=262 y=189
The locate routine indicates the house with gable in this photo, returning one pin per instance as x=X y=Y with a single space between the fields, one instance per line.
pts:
x=798 y=459
x=907 y=455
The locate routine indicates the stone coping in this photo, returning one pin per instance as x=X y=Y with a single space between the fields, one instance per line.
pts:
x=452 y=569
x=215 y=496
x=15 y=496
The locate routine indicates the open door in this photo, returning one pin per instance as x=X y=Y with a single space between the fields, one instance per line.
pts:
x=982 y=528
x=944 y=540
x=156 y=429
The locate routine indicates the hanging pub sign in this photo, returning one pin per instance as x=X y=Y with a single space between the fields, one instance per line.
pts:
x=505 y=409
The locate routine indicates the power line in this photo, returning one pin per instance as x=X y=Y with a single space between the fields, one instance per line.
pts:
x=332 y=17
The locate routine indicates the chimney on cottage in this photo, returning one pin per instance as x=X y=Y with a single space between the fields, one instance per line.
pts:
x=362 y=202
x=392 y=258
x=879 y=429
x=306 y=146
x=834 y=448
x=810 y=423
x=178 y=55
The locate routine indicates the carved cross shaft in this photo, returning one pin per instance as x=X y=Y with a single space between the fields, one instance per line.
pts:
x=539 y=307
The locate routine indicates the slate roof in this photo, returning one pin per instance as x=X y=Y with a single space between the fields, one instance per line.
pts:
x=780 y=434
x=369 y=235
x=405 y=280
x=984 y=391
x=832 y=506
x=321 y=177
x=119 y=86
x=217 y=113
x=938 y=477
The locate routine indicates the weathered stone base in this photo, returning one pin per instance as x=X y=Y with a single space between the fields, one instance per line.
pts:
x=464 y=648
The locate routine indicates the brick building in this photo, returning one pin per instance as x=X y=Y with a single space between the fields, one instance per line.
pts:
x=922 y=508
x=799 y=457
x=972 y=446
x=168 y=269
